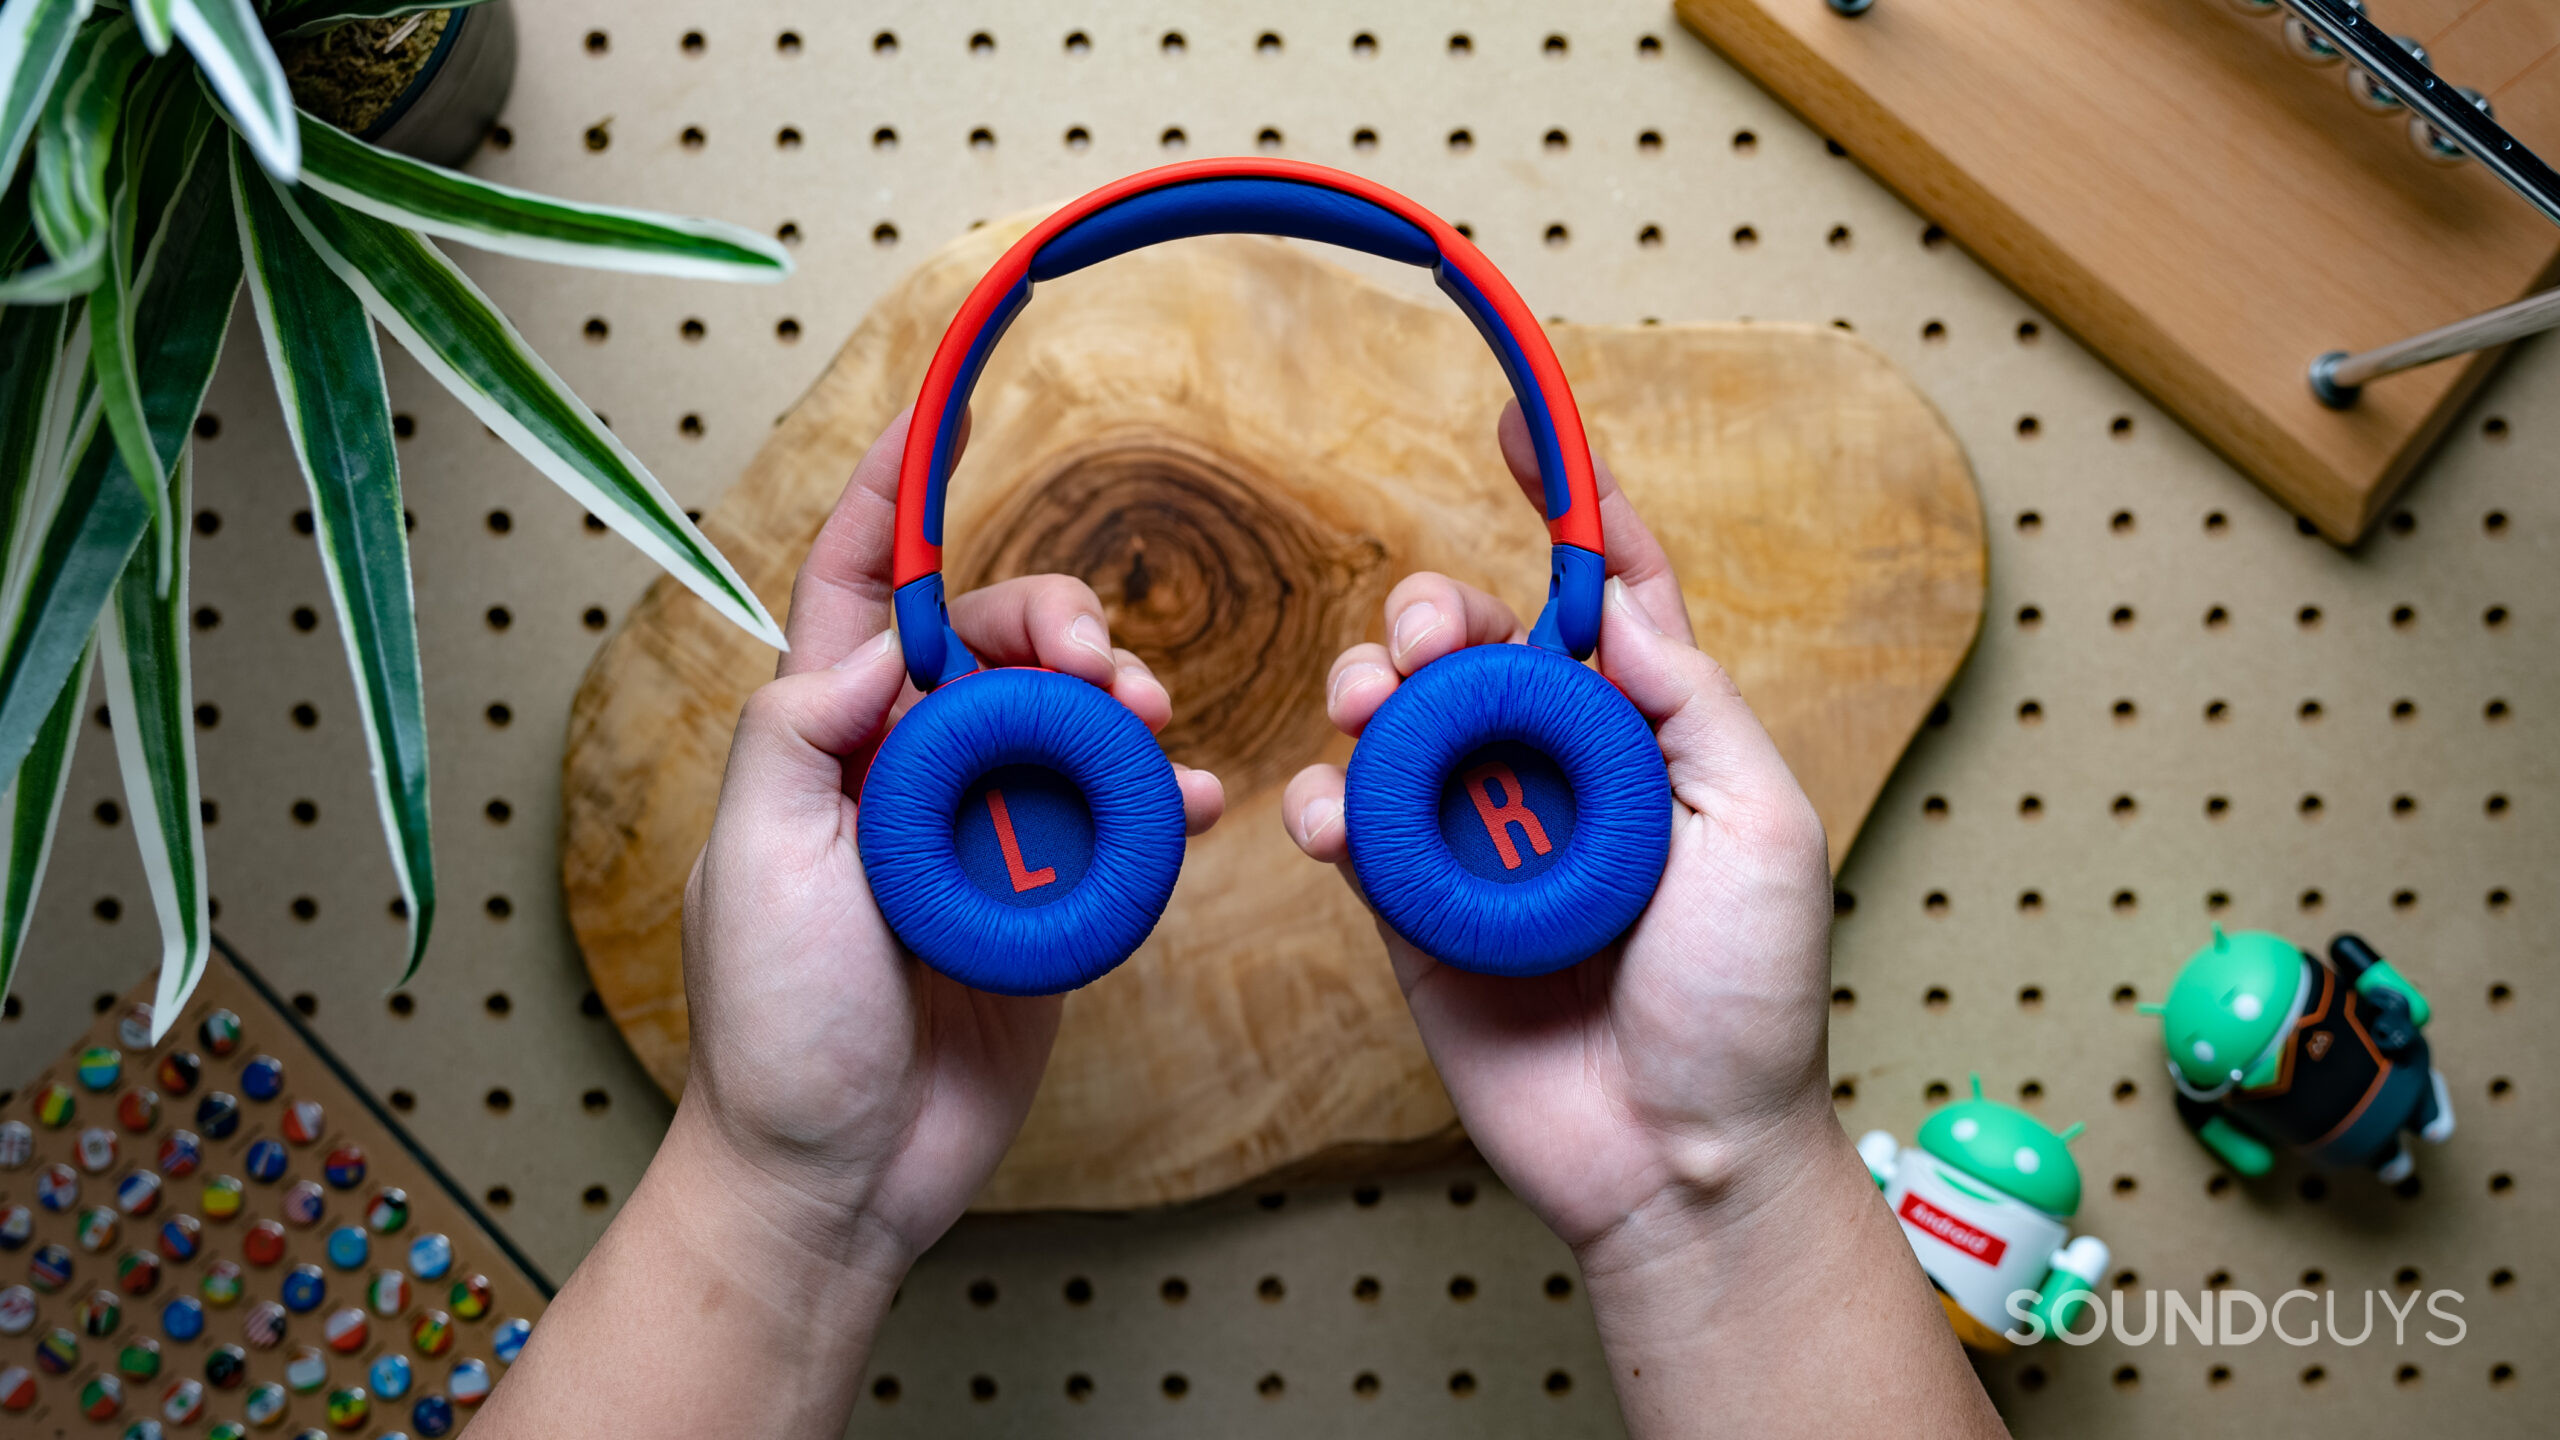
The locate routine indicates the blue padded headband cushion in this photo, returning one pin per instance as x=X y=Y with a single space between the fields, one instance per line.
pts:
x=1605 y=850
x=1236 y=205
x=920 y=842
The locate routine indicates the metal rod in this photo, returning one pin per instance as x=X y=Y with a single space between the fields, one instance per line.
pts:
x=2442 y=105
x=2337 y=377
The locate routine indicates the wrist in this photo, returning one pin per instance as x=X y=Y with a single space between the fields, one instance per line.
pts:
x=1791 y=1293
x=740 y=1280
x=823 y=1254
x=1736 y=1224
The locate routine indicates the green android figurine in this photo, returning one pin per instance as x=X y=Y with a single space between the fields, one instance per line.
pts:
x=2271 y=1046
x=1986 y=1201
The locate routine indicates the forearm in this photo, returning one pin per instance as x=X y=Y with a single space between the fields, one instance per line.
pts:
x=1791 y=1306
x=715 y=1304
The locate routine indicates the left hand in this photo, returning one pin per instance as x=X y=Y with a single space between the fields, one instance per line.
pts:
x=845 y=1101
x=873 y=1092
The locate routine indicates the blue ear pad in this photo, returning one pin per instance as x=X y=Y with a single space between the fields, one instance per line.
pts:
x=1508 y=810
x=1021 y=831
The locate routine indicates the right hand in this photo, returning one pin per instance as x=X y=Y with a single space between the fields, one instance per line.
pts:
x=1684 y=1064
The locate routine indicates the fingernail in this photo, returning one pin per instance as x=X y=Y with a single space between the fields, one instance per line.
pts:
x=865 y=654
x=1140 y=675
x=1086 y=633
x=1342 y=682
x=1625 y=604
x=1318 y=817
x=1415 y=626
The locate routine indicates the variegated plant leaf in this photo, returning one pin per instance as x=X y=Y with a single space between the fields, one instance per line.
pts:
x=113 y=363
x=436 y=201
x=17 y=227
x=328 y=374
x=154 y=20
x=35 y=40
x=72 y=529
x=240 y=66
x=75 y=141
x=30 y=808
x=142 y=647
x=439 y=316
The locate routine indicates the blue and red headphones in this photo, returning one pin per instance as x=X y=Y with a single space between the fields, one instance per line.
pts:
x=1508 y=810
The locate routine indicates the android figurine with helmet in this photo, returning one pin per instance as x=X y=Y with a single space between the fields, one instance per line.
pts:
x=2271 y=1046
x=1986 y=1200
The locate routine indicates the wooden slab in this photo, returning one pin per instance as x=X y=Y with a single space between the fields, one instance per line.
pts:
x=2207 y=212
x=1242 y=447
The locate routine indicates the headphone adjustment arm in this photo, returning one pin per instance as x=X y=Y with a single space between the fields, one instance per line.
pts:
x=934 y=651
x=1570 y=625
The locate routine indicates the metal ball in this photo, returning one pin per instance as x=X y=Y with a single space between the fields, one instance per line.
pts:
x=2370 y=92
x=2309 y=45
x=2436 y=145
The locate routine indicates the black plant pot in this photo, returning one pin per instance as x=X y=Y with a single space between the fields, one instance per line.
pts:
x=456 y=95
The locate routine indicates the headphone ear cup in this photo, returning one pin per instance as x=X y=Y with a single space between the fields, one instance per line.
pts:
x=1021 y=831
x=1508 y=810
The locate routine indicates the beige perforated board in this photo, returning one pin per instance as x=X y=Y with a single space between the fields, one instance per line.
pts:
x=520 y=1091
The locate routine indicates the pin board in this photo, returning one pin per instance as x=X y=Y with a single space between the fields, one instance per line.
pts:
x=221 y=1228
x=2181 y=709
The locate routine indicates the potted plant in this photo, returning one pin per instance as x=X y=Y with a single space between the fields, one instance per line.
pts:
x=157 y=165
x=426 y=83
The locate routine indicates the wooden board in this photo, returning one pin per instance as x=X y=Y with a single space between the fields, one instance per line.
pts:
x=143 y=1159
x=1242 y=447
x=2209 y=213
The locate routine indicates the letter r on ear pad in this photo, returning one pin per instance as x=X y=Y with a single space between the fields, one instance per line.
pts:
x=1508 y=809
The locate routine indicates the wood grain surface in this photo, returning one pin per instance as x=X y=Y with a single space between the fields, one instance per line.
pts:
x=2209 y=213
x=1242 y=447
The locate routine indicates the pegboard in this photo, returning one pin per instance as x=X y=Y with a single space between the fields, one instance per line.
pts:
x=2181 y=709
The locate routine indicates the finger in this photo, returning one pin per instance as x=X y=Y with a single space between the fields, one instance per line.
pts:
x=1723 y=764
x=1204 y=799
x=1634 y=555
x=1429 y=615
x=1362 y=679
x=840 y=598
x=1054 y=621
x=1311 y=811
x=787 y=762
x=1136 y=686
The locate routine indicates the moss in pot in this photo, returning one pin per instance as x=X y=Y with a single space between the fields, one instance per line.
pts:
x=428 y=83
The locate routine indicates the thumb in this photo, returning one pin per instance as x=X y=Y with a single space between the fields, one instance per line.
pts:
x=1723 y=763
x=787 y=763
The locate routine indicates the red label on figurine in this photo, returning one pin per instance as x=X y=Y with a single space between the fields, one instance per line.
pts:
x=1983 y=1247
